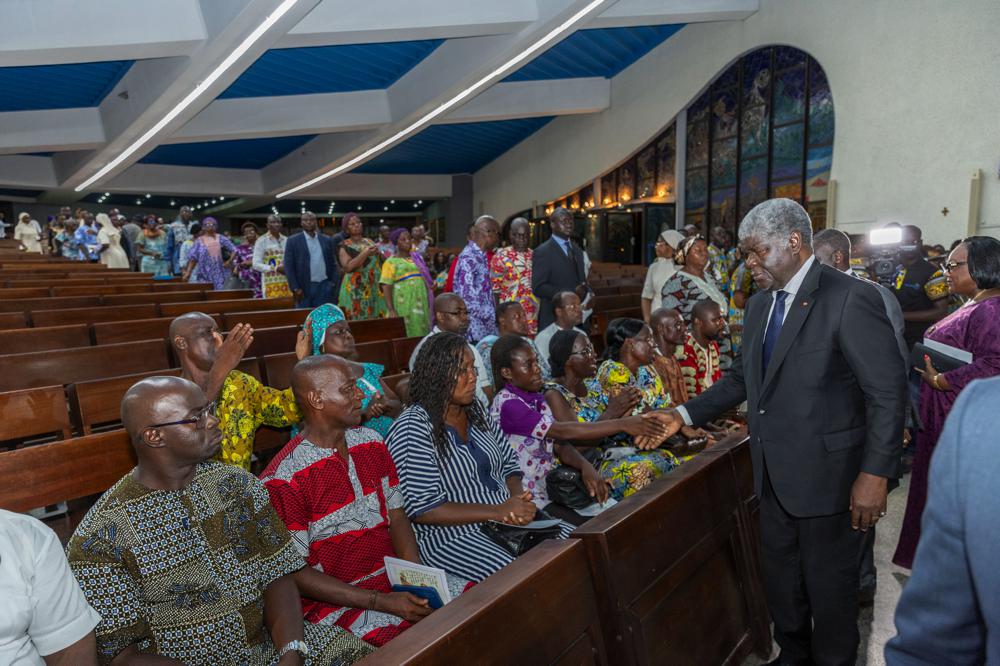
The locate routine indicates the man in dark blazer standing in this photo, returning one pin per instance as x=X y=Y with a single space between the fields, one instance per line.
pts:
x=310 y=265
x=819 y=369
x=557 y=266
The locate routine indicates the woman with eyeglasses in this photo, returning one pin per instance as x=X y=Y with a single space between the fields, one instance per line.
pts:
x=694 y=282
x=575 y=393
x=330 y=333
x=973 y=273
x=456 y=468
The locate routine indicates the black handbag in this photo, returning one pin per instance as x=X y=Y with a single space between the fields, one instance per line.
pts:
x=519 y=540
x=565 y=484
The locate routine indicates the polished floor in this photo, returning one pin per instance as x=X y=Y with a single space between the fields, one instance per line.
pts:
x=876 y=622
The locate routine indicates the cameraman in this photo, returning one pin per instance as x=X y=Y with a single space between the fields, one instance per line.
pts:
x=919 y=286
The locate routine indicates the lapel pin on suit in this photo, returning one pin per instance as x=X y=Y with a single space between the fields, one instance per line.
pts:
x=805 y=304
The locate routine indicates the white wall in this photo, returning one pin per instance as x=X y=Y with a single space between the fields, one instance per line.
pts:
x=916 y=92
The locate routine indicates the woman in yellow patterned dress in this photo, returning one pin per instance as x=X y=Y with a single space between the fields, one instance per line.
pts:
x=361 y=262
x=406 y=291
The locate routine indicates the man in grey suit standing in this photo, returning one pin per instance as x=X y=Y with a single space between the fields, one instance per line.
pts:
x=825 y=391
x=557 y=265
x=950 y=609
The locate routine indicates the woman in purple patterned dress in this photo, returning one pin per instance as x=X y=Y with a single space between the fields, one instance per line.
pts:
x=243 y=260
x=205 y=260
x=973 y=271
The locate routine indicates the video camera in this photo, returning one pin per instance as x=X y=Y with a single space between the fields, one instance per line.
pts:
x=888 y=249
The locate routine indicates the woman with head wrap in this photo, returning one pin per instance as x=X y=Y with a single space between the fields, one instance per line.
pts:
x=109 y=237
x=407 y=290
x=152 y=247
x=693 y=282
x=361 y=263
x=331 y=334
x=28 y=233
x=206 y=261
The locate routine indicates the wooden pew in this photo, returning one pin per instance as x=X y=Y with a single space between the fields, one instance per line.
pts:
x=540 y=609
x=48 y=303
x=152 y=297
x=21 y=340
x=34 y=412
x=60 y=471
x=239 y=305
x=12 y=320
x=402 y=350
x=369 y=330
x=130 y=331
x=278 y=340
x=24 y=292
x=266 y=318
x=30 y=370
x=93 y=315
x=378 y=352
x=98 y=401
x=676 y=567
x=227 y=294
x=278 y=369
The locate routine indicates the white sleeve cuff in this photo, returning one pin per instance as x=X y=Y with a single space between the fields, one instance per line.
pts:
x=684 y=415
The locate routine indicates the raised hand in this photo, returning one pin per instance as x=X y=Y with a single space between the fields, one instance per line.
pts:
x=234 y=347
x=303 y=343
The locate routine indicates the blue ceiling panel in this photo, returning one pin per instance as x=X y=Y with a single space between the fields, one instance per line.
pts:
x=326 y=69
x=59 y=86
x=459 y=148
x=600 y=52
x=236 y=154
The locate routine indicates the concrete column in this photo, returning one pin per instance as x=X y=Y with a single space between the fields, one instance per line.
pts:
x=459 y=213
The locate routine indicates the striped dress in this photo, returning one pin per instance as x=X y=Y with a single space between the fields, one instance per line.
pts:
x=474 y=472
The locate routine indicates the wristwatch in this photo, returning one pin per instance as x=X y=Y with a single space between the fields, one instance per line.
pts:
x=297 y=645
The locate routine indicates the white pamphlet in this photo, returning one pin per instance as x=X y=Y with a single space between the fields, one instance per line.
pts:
x=596 y=508
x=403 y=572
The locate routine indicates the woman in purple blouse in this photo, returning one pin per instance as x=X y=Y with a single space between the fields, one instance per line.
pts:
x=973 y=272
x=525 y=418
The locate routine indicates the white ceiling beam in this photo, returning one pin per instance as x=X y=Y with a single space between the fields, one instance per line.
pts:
x=531 y=99
x=384 y=186
x=185 y=180
x=50 y=130
x=258 y=117
x=27 y=171
x=51 y=32
x=448 y=71
x=156 y=87
x=632 y=13
x=353 y=22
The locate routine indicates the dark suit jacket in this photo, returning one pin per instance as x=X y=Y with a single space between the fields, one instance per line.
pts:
x=833 y=400
x=297 y=260
x=551 y=272
x=950 y=609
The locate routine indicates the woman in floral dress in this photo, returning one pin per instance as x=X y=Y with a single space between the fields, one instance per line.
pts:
x=510 y=271
x=243 y=262
x=361 y=262
x=406 y=290
x=206 y=261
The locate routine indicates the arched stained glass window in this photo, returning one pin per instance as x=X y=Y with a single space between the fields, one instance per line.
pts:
x=764 y=128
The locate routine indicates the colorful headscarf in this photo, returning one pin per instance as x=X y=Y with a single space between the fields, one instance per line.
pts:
x=321 y=319
x=681 y=255
x=396 y=233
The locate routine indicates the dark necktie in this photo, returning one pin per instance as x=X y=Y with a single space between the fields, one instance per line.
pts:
x=773 y=328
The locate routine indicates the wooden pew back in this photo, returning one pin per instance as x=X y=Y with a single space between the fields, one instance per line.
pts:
x=176 y=309
x=92 y=315
x=34 y=369
x=538 y=610
x=21 y=340
x=98 y=401
x=12 y=320
x=34 y=412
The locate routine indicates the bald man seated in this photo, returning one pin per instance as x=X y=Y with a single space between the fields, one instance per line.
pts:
x=243 y=404
x=346 y=518
x=185 y=558
x=452 y=315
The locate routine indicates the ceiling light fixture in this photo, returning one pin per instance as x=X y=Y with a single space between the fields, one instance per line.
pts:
x=197 y=92
x=173 y=203
x=477 y=87
x=148 y=195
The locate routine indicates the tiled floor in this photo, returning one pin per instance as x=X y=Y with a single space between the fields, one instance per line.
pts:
x=876 y=622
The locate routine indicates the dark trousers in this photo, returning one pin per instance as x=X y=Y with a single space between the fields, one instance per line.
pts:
x=316 y=294
x=810 y=568
x=869 y=576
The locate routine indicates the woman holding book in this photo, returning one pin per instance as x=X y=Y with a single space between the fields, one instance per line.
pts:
x=973 y=272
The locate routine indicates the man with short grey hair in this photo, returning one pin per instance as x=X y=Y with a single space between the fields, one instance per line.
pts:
x=825 y=392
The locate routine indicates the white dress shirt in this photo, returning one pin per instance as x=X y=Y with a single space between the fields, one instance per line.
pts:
x=657 y=275
x=43 y=609
x=263 y=244
x=790 y=290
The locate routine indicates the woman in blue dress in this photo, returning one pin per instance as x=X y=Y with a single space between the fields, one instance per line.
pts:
x=456 y=469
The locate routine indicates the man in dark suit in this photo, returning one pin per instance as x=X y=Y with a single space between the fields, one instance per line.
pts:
x=310 y=265
x=950 y=609
x=825 y=392
x=557 y=265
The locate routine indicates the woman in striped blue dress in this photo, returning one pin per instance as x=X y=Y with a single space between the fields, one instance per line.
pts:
x=456 y=468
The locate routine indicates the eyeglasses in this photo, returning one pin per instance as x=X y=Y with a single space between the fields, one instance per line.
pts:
x=949 y=266
x=456 y=313
x=585 y=352
x=200 y=419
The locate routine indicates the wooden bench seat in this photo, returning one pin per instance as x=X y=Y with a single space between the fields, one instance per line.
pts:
x=106 y=333
x=34 y=412
x=48 y=303
x=676 y=568
x=24 y=292
x=145 y=297
x=12 y=320
x=220 y=306
x=541 y=609
x=65 y=366
x=23 y=340
x=93 y=315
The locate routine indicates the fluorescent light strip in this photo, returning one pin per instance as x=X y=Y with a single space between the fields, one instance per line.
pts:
x=451 y=103
x=237 y=53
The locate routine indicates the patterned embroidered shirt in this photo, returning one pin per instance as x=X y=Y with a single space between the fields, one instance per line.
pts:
x=510 y=272
x=525 y=419
x=472 y=283
x=244 y=405
x=699 y=365
x=182 y=573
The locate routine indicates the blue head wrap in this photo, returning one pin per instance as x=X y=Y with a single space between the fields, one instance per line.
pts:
x=321 y=319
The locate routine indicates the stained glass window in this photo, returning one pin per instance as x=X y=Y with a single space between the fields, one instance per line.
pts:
x=764 y=128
